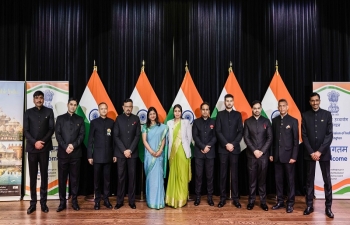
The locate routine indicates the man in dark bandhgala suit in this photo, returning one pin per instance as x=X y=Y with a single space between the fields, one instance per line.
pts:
x=284 y=153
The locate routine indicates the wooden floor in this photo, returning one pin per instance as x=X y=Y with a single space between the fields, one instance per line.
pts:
x=15 y=213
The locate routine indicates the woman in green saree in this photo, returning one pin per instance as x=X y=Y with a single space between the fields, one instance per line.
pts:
x=179 y=154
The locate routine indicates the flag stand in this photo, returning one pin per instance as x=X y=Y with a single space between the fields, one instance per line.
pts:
x=230 y=192
x=141 y=197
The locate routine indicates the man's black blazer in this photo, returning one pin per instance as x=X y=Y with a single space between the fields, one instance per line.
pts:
x=126 y=134
x=203 y=134
x=70 y=129
x=286 y=139
x=100 y=146
x=38 y=125
x=229 y=129
x=258 y=136
x=317 y=133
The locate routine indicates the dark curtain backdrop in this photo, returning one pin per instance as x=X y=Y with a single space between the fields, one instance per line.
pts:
x=59 y=40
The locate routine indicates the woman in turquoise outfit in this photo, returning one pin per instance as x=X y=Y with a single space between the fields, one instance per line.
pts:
x=153 y=137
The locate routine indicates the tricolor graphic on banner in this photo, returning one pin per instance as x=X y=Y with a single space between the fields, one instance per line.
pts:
x=94 y=94
x=143 y=97
x=276 y=91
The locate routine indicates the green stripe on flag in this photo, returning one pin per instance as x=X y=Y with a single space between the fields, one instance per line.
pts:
x=170 y=115
x=264 y=114
x=214 y=114
x=81 y=113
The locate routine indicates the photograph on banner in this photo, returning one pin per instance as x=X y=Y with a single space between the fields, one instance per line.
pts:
x=335 y=97
x=11 y=139
x=56 y=94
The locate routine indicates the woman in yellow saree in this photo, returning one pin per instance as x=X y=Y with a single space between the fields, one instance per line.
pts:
x=179 y=154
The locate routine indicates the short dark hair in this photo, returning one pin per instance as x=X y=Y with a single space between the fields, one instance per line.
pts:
x=72 y=99
x=228 y=96
x=314 y=94
x=128 y=100
x=177 y=106
x=205 y=103
x=282 y=100
x=102 y=103
x=255 y=102
x=38 y=93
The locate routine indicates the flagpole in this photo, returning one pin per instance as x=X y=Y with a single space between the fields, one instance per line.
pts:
x=91 y=198
x=189 y=197
x=230 y=192
x=276 y=65
x=142 y=198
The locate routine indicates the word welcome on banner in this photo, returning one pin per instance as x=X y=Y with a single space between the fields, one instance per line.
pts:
x=335 y=97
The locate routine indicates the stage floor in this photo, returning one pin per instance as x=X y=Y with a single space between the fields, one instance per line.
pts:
x=15 y=213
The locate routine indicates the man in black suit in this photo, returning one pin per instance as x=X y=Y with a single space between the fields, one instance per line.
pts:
x=258 y=137
x=100 y=153
x=203 y=134
x=317 y=133
x=70 y=130
x=126 y=132
x=38 y=127
x=284 y=153
x=229 y=129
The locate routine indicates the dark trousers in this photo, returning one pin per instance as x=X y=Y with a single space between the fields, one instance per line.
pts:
x=326 y=174
x=71 y=167
x=287 y=170
x=227 y=160
x=209 y=171
x=42 y=159
x=126 y=166
x=105 y=168
x=257 y=169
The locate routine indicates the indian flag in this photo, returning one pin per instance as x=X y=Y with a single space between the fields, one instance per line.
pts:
x=144 y=97
x=189 y=99
x=94 y=94
x=240 y=102
x=276 y=91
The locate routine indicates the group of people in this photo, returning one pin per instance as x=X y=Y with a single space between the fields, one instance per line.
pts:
x=117 y=141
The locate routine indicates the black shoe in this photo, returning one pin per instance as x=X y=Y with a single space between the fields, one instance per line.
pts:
x=108 y=204
x=97 y=206
x=250 y=206
x=237 y=204
x=197 y=201
x=264 y=207
x=221 y=204
x=31 y=209
x=308 y=210
x=44 y=208
x=60 y=208
x=278 y=206
x=289 y=209
x=133 y=206
x=118 y=206
x=329 y=213
x=76 y=207
x=210 y=202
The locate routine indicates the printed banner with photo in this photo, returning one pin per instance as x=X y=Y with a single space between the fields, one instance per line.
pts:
x=56 y=94
x=11 y=139
x=335 y=97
